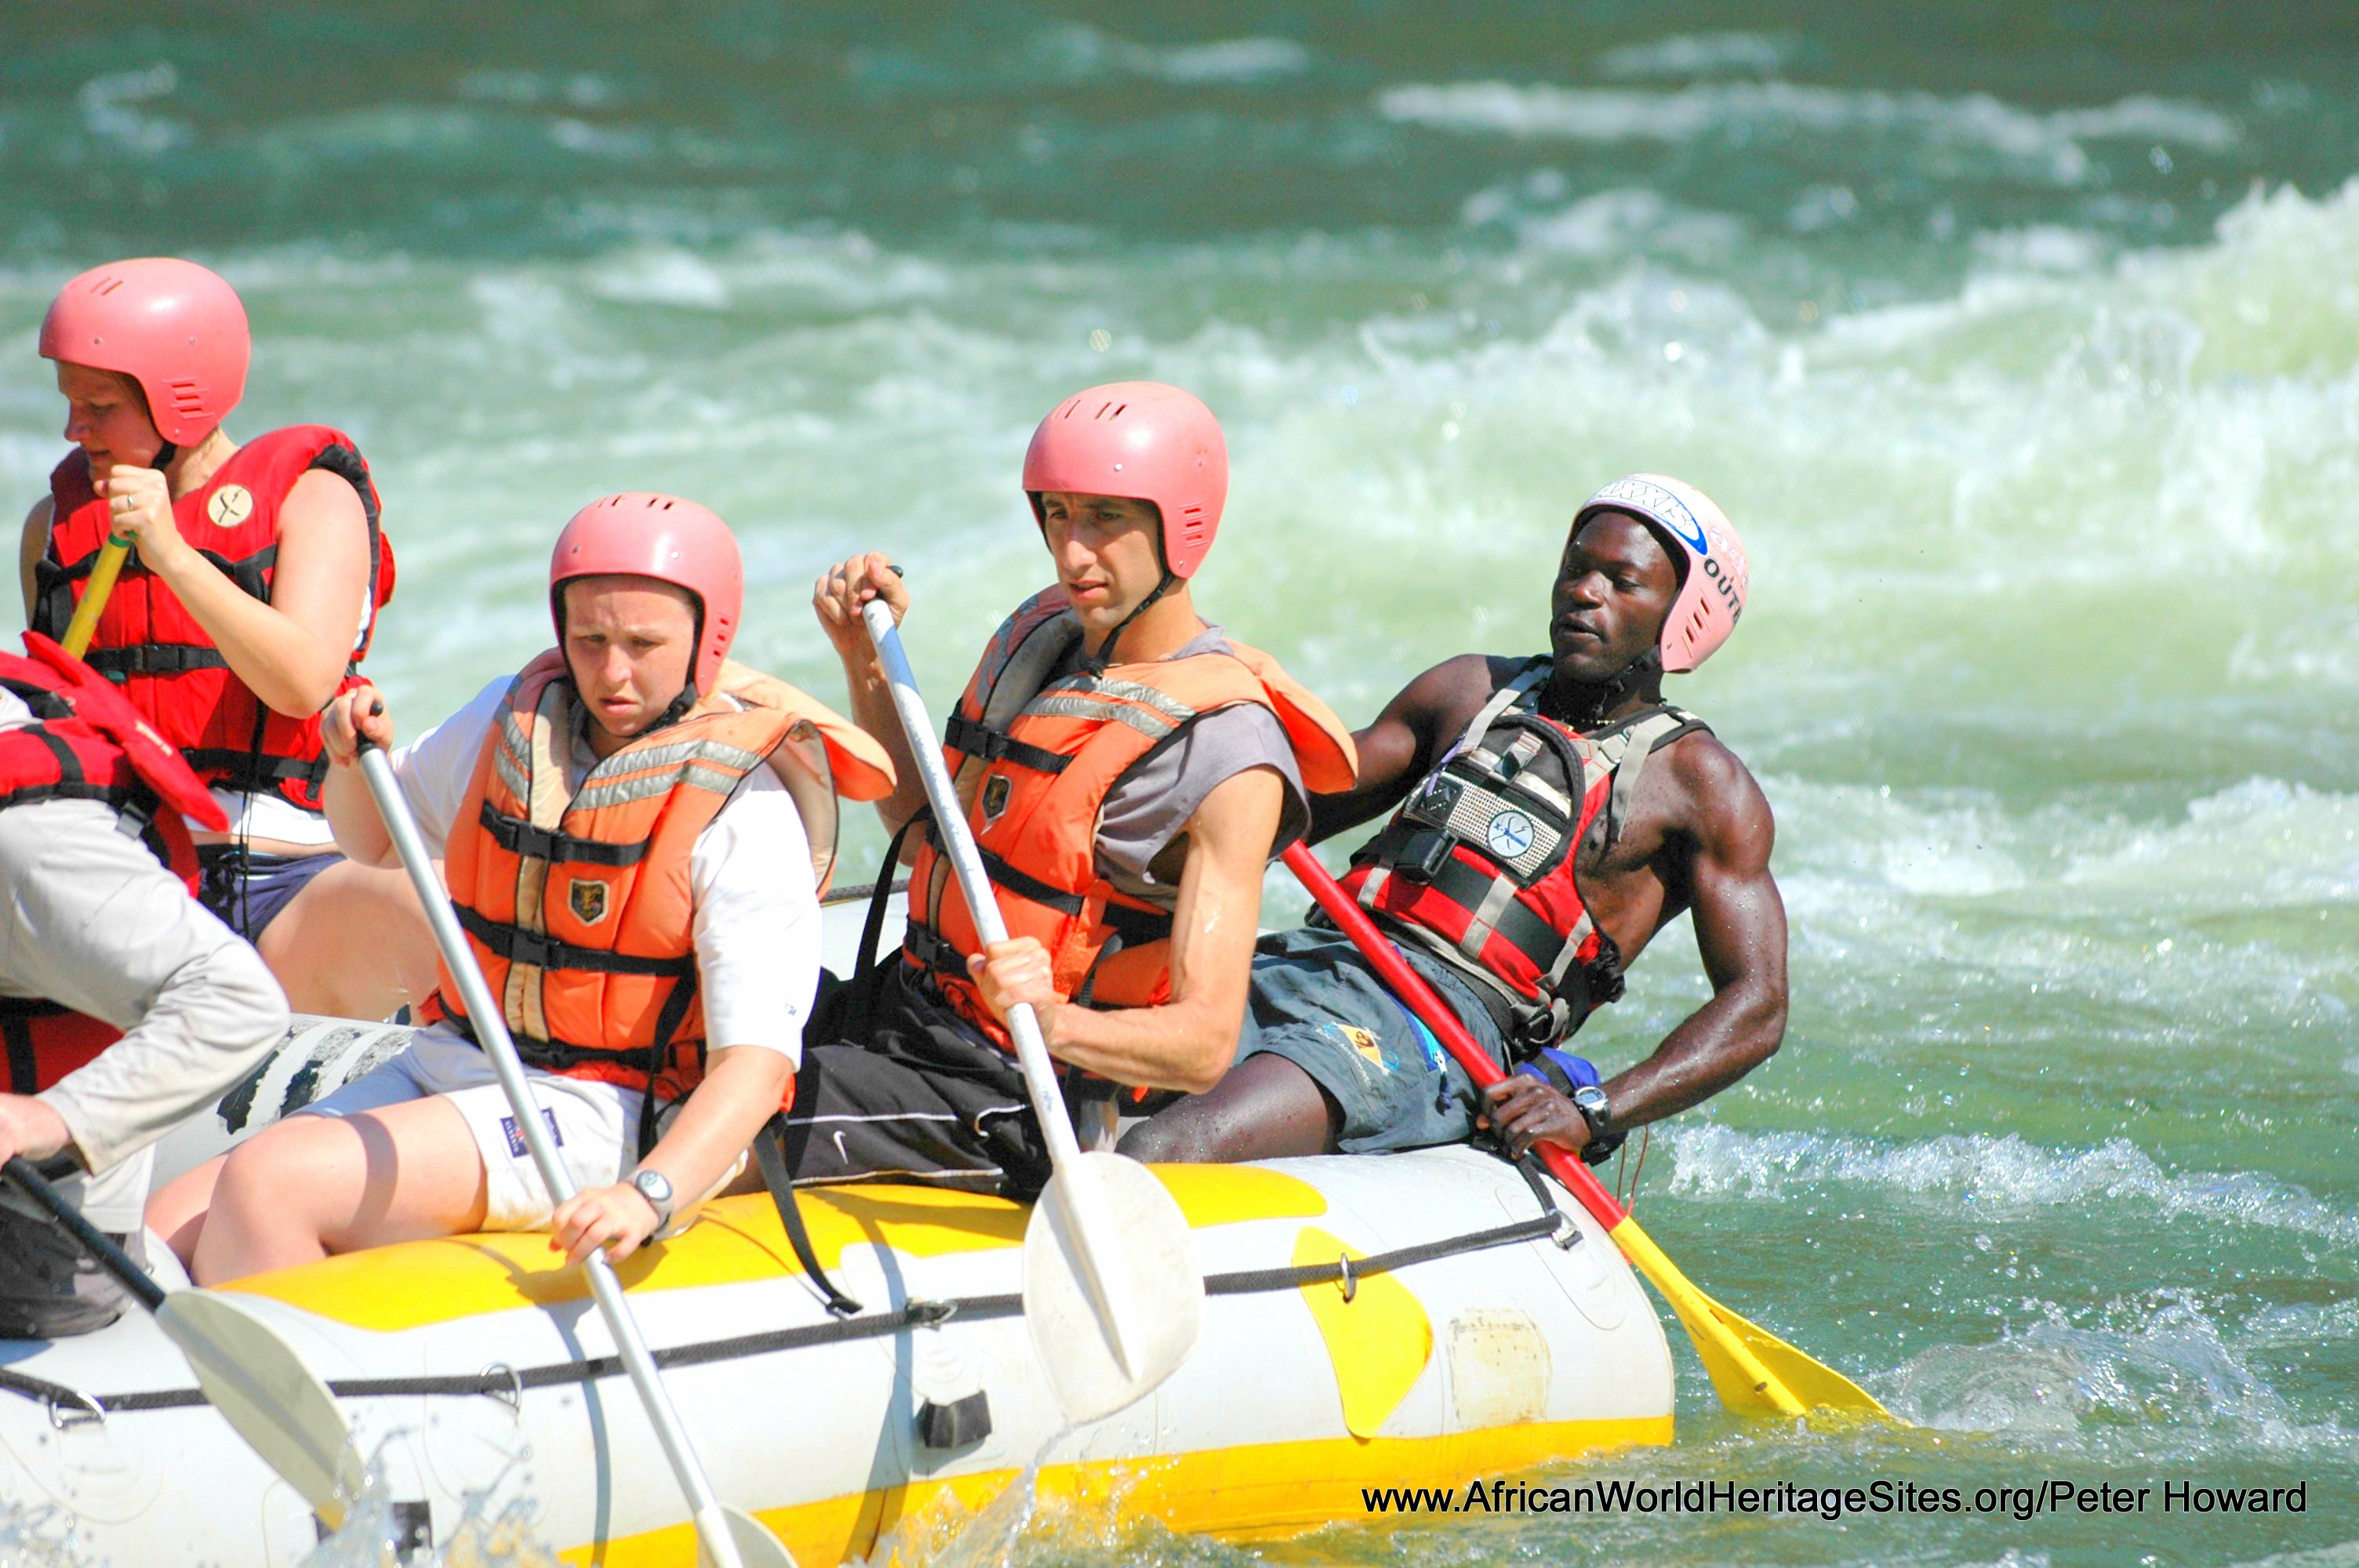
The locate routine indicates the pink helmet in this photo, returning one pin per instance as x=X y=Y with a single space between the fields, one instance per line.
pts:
x=1711 y=558
x=1144 y=441
x=175 y=328
x=664 y=537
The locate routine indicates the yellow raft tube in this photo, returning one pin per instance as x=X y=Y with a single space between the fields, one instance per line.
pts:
x=1475 y=1333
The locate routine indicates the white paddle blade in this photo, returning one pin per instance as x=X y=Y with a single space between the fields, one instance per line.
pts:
x=1112 y=1288
x=756 y=1546
x=272 y=1399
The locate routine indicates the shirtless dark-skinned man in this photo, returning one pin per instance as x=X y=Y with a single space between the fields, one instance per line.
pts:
x=1497 y=766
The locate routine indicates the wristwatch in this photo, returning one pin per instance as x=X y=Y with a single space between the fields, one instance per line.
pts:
x=1596 y=1110
x=653 y=1187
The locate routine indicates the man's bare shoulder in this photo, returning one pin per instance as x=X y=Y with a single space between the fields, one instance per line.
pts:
x=1717 y=798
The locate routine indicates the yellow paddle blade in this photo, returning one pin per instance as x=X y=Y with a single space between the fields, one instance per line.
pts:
x=1753 y=1370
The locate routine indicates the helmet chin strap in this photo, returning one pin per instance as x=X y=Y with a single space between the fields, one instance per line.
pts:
x=676 y=712
x=1615 y=689
x=1097 y=663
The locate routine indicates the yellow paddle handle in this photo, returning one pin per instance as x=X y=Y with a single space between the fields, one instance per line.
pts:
x=102 y=573
x=1695 y=1310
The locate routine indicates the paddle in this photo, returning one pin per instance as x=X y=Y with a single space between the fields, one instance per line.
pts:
x=729 y=1537
x=252 y=1376
x=1752 y=1370
x=1110 y=1287
x=94 y=594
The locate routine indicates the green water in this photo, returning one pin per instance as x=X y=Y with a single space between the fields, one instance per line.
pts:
x=2022 y=341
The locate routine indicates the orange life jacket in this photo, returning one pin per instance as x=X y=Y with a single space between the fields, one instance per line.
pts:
x=147 y=642
x=87 y=743
x=1034 y=759
x=577 y=903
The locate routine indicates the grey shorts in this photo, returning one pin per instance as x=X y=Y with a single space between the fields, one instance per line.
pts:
x=1316 y=1002
x=47 y=1288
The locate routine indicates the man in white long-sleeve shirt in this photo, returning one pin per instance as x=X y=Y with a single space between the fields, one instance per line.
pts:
x=126 y=1007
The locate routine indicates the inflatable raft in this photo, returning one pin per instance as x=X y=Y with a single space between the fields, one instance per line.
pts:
x=1419 y=1319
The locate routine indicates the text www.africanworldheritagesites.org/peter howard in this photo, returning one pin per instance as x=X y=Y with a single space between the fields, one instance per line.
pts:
x=2049 y=1496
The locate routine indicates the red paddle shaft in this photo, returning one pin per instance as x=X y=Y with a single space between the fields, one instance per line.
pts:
x=1420 y=999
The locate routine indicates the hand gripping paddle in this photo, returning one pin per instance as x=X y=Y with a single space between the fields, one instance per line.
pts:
x=726 y=1537
x=1754 y=1371
x=1112 y=1288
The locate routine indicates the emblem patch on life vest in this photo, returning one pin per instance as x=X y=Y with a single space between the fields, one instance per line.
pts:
x=231 y=505
x=1508 y=835
x=995 y=791
x=588 y=898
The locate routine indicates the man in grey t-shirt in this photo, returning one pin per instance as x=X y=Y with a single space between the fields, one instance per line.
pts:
x=1128 y=771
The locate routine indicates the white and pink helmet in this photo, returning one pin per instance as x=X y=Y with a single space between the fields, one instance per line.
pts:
x=1711 y=557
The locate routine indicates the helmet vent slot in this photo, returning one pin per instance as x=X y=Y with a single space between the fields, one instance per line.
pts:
x=108 y=286
x=187 y=397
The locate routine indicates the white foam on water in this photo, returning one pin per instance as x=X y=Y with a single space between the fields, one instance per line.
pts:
x=2046 y=144
x=1075 y=52
x=41 y=1535
x=112 y=110
x=2002 y=1174
x=1701 y=54
x=2157 y=1361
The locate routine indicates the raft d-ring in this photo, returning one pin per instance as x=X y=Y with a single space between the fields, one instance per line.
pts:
x=513 y=1395
x=70 y=1408
x=1567 y=1234
x=1350 y=1281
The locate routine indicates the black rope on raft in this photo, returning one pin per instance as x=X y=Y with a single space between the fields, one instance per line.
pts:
x=859 y=892
x=69 y=1403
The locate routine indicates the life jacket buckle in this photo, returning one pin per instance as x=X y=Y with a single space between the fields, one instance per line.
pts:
x=1434 y=800
x=1423 y=855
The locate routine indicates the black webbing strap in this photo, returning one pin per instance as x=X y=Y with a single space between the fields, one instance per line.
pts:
x=24 y=1066
x=769 y=1154
x=920 y=1313
x=253 y=768
x=1026 y=886
x=1466 y=887
x=979 y=740
x=543 y=952
x=155 y=659
x=519 y=837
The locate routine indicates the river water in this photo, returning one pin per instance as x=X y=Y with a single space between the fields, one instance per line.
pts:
x=2021 y=340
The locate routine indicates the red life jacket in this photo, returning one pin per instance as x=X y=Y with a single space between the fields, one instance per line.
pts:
x=1477 y=866
x=148 y=643
x=88 y=743
x=1035 y=759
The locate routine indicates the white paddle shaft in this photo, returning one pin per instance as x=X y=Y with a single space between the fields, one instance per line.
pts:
x=975 y=884
x=490 y=1029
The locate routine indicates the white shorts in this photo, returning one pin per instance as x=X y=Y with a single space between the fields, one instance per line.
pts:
x=596 y=1125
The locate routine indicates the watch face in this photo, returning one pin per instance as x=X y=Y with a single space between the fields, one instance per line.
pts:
x=1590 y=1097
x=654 y=1186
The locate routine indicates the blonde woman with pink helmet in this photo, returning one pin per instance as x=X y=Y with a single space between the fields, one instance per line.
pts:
x=249 y=599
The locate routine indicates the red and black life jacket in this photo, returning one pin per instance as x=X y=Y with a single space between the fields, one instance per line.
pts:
x=151 y=645
x=87 y=743
x=1477 y=867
